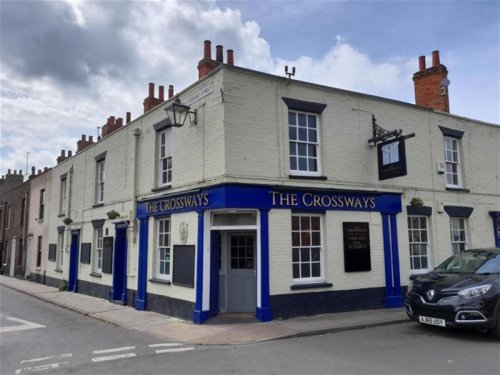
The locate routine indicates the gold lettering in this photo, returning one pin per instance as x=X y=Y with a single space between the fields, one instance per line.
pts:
x=326 y=201
x=274 y=194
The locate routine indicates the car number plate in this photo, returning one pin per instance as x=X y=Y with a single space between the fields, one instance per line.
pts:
x=432 y=321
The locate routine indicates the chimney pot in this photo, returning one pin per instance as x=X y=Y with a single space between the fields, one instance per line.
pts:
x=219 y=54
x=421 y=63
x=230 y=57
x=161 y=90
x=207 y=50
x=435 y=58
x=45 y=169
x=112 y=119
x=119 y=121
x=128 y=117
x=39 y=171
x=91 y=138
x=170 y=91
x=151 y=90
x=63 y=153
x=70 y=153
x=32 y=170
x=8 y=171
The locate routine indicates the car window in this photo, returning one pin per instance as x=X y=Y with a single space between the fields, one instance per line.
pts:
x=471 y=262
x=492 y=265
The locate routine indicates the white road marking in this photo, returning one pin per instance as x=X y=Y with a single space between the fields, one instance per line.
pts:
x=163 y=345
x=66 y=355
x=49 y=366
x=24 y=325
x=174 y=350
x=113 y=357
x=114 y=350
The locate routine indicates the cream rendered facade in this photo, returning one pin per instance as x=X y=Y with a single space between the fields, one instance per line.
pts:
x=232 y=192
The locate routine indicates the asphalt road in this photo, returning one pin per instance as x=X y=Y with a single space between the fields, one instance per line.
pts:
x=37 y=337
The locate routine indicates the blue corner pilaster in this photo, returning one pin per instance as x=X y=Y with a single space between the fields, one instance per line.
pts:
x=264 y=312
x=200 y=316
x=393 y=297
x=142 y=272
x=496 y=226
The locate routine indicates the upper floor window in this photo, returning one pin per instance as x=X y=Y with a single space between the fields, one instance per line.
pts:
x=452 y=162
x=62 y=196
x=41 y=207
x=304 y=143
x=100 y=176
x=164 y=157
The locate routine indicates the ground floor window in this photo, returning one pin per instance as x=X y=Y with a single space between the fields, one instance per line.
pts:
x=39 y=252
x=306 y=248
x=98 y=238
x=419 y=243
x=60 y=250
x=458 y=234
x=163 y=249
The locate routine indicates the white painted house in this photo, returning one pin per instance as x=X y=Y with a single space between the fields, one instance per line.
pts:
x=274 y=196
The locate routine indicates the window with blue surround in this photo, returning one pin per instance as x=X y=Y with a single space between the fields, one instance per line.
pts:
x=303 y=134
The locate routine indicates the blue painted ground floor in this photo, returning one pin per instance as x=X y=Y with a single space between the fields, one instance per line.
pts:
x=277 y=252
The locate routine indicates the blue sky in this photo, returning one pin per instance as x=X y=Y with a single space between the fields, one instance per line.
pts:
x=63 y=79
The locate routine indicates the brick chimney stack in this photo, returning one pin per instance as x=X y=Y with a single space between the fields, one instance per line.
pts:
x=151 y=101
x=112 y=125
x=59 y=160
x=207 y=64
x=83 y=143
x=431 y=84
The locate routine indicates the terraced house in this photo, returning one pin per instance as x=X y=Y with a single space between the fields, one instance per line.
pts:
x=249 y=192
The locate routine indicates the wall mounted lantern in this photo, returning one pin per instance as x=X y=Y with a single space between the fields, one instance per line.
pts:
x=177 y=113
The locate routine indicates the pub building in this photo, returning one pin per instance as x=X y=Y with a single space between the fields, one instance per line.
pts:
x=250 y=192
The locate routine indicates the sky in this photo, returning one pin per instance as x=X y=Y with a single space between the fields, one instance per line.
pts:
x=67 y=65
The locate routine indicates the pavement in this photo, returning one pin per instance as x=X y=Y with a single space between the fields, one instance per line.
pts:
x=224 y=329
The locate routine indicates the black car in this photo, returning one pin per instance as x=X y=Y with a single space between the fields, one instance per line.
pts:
x=462 y=292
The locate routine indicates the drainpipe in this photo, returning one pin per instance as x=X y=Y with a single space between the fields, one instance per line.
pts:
x=137 y=135
x=27 y=269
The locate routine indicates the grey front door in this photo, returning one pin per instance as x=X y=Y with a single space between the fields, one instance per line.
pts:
x=241 y=273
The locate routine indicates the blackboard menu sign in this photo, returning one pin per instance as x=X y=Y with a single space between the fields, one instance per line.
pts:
x=184 y=265
x=107 y=255
x=356 y=247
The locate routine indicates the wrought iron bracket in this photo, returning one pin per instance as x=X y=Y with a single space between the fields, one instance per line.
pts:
x=380 y=134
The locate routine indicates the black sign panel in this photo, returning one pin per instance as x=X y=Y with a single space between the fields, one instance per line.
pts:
x=107 y=255
x=391 y=159
x=356 y=247
x=85 y=253
x=184 y=265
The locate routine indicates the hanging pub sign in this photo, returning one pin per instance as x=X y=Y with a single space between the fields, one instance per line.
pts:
x=390 y=150
x=391 y=158
x=356 y=247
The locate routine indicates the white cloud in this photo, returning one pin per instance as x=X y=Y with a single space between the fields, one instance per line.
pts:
x=154 y=41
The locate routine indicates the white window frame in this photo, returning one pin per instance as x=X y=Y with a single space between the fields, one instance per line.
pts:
x=163 y=244
x=60 y=250
x=458 y=234
x=62 y=197
x=295 y=144
x=416 y=237
x=164 y=161
x=310 y=279
x=98 y=246
x=100 y=179
x=452 y=162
